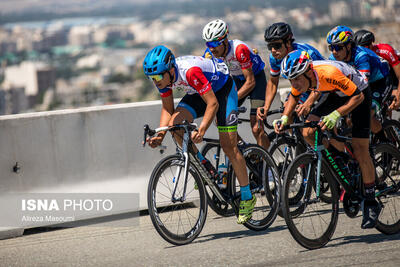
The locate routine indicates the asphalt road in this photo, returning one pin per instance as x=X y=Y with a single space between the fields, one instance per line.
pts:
x=222 y=242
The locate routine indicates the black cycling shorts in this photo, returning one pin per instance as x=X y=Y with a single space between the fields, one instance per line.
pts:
x=381 y=90
x=360 y=116
x=257 y=95
x=227 y=114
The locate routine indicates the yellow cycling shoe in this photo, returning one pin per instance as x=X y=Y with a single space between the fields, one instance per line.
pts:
x=246 y=208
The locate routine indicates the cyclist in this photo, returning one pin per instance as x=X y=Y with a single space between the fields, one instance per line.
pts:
x=210 y=92
x=245 y=66
x=366 y=39
x=341 y=43
x=280 y=42
x=347 y=91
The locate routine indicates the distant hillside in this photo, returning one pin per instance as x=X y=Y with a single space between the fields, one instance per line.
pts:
x=28 y=10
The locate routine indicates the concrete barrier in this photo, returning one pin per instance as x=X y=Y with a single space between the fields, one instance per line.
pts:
x=86 y=150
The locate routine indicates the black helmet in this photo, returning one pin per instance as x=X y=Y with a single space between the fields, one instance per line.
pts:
x=364 y=37
x=278 y=31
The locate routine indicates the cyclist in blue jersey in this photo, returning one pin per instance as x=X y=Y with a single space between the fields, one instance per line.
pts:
x=280 y=42
x=210 y=92
x=341 y=43
x=245 y=66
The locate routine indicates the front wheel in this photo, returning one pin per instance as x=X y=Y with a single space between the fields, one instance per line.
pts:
x=180 y=220
x=311 y=221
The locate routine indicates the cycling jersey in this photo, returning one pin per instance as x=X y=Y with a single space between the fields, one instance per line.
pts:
x=367 y=62
x=240 y=56
x=386 y=52
x=197 y=75
x=275 y=64
x=338 y=77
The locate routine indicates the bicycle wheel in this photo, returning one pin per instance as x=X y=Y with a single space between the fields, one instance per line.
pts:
x=178 y=222
x=392 y=132
x=311 y=221
x=278 y=151
x=264 y=184
x=387 y=159
x=210 y=151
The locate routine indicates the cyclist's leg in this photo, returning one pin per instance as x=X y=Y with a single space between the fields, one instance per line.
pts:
x=360 y=143
x=227 y=128
x=257 y=99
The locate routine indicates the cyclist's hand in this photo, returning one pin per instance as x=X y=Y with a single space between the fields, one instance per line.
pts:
x=197 y=136
x=208 y=55
x=278 y=124
x=255 y=51
x=261 y=113
x=154 y=141
x=330 y=120
x=396 y=101
x=303 y=110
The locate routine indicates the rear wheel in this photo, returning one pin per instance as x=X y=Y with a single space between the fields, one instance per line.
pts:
x=387 y=161
x=214 y=153
x=264 y=184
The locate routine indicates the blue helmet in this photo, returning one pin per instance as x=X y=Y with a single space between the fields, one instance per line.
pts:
x=159 y=60
x=340 y=35
x=295 y=64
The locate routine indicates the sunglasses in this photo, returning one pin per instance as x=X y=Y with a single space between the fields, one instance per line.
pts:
x=335 y=47
x=276 y=46
x=213 y=44
x=156 y=77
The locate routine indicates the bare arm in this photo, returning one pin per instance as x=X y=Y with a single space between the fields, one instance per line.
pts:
x=248 y=85
x=167 y=110
x=353 y=102
x=211 y=109
x=396 y=102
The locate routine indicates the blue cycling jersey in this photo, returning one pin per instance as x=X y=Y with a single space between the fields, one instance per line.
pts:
x=275 y=64
x=368 y=63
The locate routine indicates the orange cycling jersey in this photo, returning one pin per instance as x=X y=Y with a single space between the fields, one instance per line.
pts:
x=338 y=77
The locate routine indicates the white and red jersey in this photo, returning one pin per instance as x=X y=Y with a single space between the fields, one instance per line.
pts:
x=388 y=53
x=240 y=56
x=197 y=75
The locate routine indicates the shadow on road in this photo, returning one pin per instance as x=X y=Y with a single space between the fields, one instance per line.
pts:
x=235 y=235
x=368 y=239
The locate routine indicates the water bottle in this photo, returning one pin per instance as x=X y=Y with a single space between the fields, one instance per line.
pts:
x=223 y=175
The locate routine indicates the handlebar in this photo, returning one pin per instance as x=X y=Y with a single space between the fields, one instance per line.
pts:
x=187 y=126
x=315 y=124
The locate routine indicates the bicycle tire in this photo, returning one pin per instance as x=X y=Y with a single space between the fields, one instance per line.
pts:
x=392 y=132
x=194 y=199
x=278 y=154
x=389 y=219
x=304 y=210
x=214 y=203
x=267 y=194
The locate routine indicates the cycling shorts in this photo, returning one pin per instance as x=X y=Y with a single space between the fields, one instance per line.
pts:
x=360 y=116
x=381 y=90
x=227 y=114
x=257 y=95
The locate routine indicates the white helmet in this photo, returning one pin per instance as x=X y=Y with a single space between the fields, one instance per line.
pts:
x=215 y=30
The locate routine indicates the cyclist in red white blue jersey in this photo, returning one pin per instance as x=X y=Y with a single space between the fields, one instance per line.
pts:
x=245 y=66
x=210 y=92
